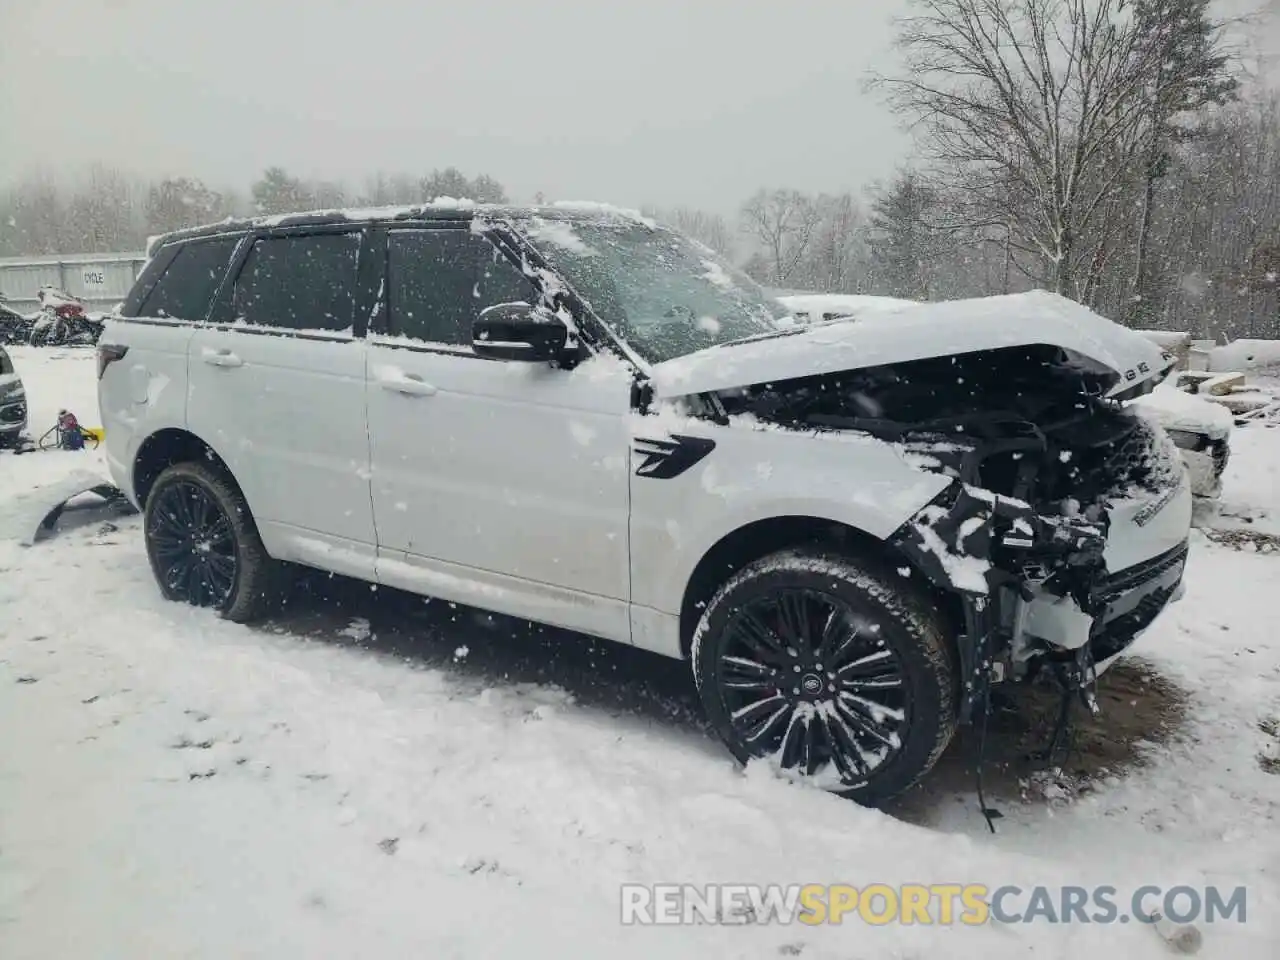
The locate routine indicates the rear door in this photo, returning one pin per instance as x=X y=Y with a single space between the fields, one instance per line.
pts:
x=277 y=388
x=146 y=390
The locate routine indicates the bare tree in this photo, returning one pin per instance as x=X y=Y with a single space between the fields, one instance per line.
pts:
x=781 y=223
x=327 y=194
x=838 y=258
x=451 y=182
x=104 y=213
x=708 y=228
x=32 y=215
x=1031 y=108
x=382 y=189
x=178 y=202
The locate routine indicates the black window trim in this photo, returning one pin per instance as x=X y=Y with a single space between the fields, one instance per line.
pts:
x=382 y=326
x=219 y=316
x=512 y=247
x=155 y=270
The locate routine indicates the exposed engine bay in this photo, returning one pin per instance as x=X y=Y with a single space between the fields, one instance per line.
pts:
x=1040 y=459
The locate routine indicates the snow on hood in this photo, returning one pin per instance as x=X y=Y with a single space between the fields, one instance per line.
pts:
x=1176 y=410
x=840 y=304
x=916 y=332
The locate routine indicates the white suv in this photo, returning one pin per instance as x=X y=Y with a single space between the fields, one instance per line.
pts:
x=575 y=416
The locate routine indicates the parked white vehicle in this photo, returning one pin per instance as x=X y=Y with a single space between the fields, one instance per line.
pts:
x=1200 y=429
x=575 y=416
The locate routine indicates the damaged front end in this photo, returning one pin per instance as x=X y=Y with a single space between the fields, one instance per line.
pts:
x=1047 y=534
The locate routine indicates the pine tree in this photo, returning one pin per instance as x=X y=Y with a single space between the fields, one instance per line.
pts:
x=277 y=192
x=179 y=202
x=1188 y=68
x=902 y=239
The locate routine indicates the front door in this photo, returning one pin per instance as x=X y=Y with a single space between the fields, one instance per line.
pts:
x=501 y=484
x=277 y=389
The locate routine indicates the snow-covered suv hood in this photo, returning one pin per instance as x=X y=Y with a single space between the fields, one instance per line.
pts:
x=916 y=332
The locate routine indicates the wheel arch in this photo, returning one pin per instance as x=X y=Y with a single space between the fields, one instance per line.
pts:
x=760 y=538
x=166 y=447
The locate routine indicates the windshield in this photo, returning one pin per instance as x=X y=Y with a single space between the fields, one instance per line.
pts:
x=664 y=294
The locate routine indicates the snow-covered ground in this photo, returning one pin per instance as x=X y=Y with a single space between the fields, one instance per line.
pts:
x=378 y=777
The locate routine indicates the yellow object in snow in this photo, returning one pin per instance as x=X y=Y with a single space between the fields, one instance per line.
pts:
x=94 y=434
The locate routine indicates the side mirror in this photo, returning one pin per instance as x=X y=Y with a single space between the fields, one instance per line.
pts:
x=517 y=331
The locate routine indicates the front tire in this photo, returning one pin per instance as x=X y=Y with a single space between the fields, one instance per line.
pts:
x=829 y=670
x=204 y=547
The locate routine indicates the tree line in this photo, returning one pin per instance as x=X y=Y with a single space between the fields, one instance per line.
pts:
x=107 y=210
x=1109 y=150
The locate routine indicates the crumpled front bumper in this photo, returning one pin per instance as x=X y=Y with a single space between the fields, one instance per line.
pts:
x=1037 y=584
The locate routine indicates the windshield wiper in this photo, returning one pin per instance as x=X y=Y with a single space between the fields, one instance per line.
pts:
x=785 y=331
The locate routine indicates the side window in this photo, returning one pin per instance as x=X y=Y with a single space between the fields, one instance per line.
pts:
x=6 y=365
x=438 y=281
x=305 y=282
x=188 y=284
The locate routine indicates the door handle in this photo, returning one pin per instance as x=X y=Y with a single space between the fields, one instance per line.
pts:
x=222 y=358
x=409 y=384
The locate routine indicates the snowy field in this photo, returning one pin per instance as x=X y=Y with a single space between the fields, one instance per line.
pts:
x=374 y=776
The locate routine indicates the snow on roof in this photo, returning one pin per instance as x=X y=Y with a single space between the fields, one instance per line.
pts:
x=596 y=208
x=439 y=208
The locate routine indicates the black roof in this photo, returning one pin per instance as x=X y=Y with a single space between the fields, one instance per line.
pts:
x=438 y=210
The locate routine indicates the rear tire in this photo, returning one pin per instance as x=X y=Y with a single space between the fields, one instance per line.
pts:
x=204 y=547
x=834 y=672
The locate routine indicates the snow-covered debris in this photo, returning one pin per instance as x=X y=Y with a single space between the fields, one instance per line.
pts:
x=358 y=630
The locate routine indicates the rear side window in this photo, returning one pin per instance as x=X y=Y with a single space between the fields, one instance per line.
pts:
x=188 y=284
x=299 y=282
x=6 y=365
x=438 y=281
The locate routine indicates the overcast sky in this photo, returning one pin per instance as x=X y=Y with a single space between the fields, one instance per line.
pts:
x=666 y=101
x=695 y=102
